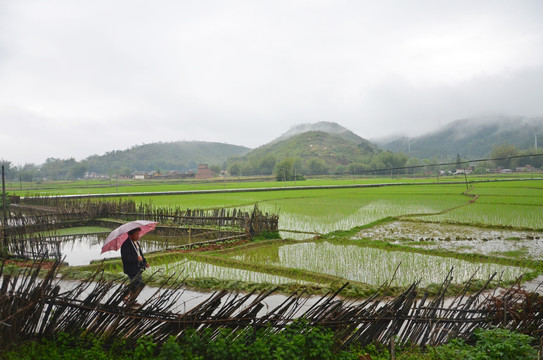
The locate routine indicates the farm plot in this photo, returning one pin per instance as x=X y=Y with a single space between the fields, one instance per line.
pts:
x=374 y=266
x=200 y=270
x=326 y=210
x=500 y=205
x=369 y=210
x=458 y=238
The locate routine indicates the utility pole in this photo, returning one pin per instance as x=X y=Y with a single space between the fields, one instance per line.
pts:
x=4 y=210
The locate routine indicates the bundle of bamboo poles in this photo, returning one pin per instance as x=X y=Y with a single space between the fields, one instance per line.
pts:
x=33 y=306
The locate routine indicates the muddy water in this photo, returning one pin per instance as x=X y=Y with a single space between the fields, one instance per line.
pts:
x=467 y=239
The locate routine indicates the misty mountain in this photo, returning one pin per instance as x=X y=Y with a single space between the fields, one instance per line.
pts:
x=180 y=155
x=471 y=138
x=319 y=151
x=323 y=126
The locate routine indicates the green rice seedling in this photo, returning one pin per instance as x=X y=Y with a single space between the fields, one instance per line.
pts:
x=376 y=266
x=513 y=216
x=196 y=269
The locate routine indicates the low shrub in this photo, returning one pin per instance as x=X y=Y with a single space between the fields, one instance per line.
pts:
x=296 y=341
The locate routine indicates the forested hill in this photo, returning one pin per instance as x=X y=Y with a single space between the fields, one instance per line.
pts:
x=181 y=155
x=324 y=126
x=471 y=138
x=312 y=152
x=331 y=148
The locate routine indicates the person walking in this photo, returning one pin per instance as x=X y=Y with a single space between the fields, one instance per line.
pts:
x=134 y=263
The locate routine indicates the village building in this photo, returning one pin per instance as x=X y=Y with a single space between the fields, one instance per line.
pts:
x=204 y=172
x=466 y=171
x=141 y=175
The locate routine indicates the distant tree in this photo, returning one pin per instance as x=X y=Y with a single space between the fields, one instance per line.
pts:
x=356 y=168
x=413 y=162
x=57 y=169
x=317 y=167
x=234 y=169
x=267 y=164
x=502 y=154
x=458 y=163
x=216 y=169
x=284 y=170
x=28 y=172
x=535 y=161
x=431 y=166
x=297 y=167
x=340 y=169
x=249 y=168
x=391 y=160
x=9 y=170
x=77 y=171
x=124 y=171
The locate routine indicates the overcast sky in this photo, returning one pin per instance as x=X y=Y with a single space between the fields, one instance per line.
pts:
x=85 y=77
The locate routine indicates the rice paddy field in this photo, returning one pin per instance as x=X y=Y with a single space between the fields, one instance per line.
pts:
x=370 y=236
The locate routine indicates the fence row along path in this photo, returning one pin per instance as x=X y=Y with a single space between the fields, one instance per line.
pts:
x=39 y=306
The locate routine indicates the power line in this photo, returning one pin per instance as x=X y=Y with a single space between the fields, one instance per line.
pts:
x=452 y=163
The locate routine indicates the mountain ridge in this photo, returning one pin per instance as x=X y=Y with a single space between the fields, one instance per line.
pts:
x=319 y=148
x=469 y=137
x=324 y=126
x=176 y=155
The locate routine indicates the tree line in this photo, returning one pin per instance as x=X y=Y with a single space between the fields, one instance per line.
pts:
x=295 y=168
x=287 y=168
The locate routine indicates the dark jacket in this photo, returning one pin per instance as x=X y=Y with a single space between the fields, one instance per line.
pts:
x=129 y=256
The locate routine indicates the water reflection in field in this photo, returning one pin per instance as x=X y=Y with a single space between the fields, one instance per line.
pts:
x=332 y=221
x=196 y=269
x=82 y=249
x=460 y=238
x=375 y=266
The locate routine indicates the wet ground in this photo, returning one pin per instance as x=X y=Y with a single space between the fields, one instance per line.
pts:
x=189 y=299
x=459 y=238
x=82 y=249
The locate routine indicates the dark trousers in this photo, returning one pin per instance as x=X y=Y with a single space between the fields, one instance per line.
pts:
x=136 y=283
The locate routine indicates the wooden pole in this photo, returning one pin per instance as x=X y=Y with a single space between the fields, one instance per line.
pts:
x=541 y=348
x=392 y=349
x=4 y=209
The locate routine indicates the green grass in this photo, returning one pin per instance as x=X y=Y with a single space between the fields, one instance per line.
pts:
x=78 y=231
x=127 y=186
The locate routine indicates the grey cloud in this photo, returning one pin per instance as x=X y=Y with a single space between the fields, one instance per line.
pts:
x=244 y=72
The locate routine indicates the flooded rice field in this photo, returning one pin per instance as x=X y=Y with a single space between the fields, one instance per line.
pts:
x=332 y=221
x=82 y=249
x=459 y=238
x=196 y=269
x=375 y=266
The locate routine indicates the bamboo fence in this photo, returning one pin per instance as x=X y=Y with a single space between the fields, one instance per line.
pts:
x=35 y=215
x=34 y=307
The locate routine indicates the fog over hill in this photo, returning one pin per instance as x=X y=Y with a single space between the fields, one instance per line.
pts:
x=471 y=137
x=322 y=147
x=324 y=126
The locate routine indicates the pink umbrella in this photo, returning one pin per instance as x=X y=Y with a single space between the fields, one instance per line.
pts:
x=117 y=237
